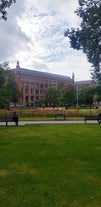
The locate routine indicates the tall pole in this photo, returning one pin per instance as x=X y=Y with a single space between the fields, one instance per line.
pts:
x=77 y=97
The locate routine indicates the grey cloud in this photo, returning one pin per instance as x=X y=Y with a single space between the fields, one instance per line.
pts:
x=39 y=66
x=12 y=39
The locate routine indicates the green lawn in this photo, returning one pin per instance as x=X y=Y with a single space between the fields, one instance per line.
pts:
x=49 y=118
x=50 y=166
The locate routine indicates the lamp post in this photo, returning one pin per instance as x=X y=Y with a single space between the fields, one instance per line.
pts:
x=77 y=103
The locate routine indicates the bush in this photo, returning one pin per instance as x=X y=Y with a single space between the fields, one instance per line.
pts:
x=50 y=112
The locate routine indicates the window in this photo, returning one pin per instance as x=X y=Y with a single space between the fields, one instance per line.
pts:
x=26 y=89
x=41 y=86
x=37 y=91
x=37 y=85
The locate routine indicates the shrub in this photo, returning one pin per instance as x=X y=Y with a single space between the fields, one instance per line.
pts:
x=50 y=112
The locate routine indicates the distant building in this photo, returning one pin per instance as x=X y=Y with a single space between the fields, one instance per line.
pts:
x=32 y=84
x=82 y=84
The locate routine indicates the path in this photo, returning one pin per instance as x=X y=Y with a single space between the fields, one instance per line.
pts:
x=22 y=123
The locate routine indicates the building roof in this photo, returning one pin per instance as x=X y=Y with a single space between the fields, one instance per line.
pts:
x=84 y=83
x=40 y=73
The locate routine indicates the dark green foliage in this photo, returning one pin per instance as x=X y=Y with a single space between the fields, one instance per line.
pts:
x=13 y=89
x=90 y=94
x=88 y=36
x=86 y=96
x=70 y=96
x=9 y=91
x=4 y=5
x=52 y=96
x=60 y=95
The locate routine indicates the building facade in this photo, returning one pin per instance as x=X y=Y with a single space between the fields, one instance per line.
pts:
x=83 y=84
x=33 y=84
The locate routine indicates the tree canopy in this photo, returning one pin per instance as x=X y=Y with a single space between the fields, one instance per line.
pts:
x=4 y=5
x=88 y=36
x=60 y=95
x=52 y=96
x=9 y=91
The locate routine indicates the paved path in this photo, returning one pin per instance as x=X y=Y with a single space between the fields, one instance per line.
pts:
x=22 y=123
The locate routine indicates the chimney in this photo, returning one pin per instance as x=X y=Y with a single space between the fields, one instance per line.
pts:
x=73 y=77
x=18 y=65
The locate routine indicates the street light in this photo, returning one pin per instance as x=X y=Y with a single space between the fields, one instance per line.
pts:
x=77 y=97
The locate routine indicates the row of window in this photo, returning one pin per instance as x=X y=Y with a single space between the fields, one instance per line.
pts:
x=32 y=91
x=32 y=99
x=35 y=90
x=35 y=82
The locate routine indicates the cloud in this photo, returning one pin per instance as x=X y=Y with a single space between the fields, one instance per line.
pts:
x=47 y=35
x=12 y=39
x=34 y=35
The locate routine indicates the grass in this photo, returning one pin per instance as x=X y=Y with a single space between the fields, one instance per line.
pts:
x=48 y=118
x=50 y=166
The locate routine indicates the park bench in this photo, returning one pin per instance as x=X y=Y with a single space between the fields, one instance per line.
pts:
x=7 y=119
x=91 y=117
x=59 y=116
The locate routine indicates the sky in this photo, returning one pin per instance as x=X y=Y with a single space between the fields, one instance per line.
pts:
x=34 y=35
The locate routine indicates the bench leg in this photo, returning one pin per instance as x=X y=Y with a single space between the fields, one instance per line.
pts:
x=99 y=121
x=16 y=123
x=6 y=123
x=85 y=121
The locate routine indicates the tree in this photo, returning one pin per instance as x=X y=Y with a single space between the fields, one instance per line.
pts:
x=88 y=37
x=52 y=96
x=4 y=98
x=90 y=95
x=86 y=96
x=12 y=88
x=97 y=94
x=4 y=5
x=9 y=91
x=70 y=96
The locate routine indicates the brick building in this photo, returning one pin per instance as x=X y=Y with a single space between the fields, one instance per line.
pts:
x=32 y=84
x=84 y=84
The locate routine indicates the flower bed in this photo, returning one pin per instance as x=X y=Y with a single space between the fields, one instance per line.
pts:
x=50 y=112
